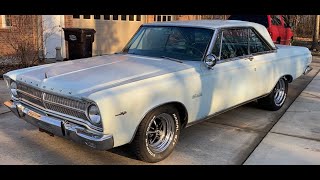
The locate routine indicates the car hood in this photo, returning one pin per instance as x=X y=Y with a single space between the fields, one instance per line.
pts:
x=92 y=74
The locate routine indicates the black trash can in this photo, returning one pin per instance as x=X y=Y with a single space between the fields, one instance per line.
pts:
x=79 y=42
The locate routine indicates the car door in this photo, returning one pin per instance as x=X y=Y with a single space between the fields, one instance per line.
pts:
x=264 y=61
x=232 y=80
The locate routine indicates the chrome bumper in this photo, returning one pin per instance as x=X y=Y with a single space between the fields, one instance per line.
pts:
x=62 y=128
x=307 y=70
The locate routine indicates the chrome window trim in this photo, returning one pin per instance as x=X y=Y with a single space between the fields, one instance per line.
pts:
x=213 y=40
x=220 y=48
x=243 y=57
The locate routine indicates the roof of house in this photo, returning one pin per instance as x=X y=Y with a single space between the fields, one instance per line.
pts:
x=215 y=24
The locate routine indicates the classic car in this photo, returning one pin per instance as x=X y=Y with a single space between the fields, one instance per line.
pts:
x=169 y=76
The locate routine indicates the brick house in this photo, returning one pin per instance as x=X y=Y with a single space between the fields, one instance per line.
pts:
x=11 y=32
x=112 y=31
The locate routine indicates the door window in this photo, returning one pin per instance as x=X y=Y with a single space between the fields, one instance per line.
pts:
x=231 y=43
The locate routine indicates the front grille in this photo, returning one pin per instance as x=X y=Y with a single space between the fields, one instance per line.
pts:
x=30 y=90
x=67 y=106
x=36 y=101
x=67 y=111
x=65 y=101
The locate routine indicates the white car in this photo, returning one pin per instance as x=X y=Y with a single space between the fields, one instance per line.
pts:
x=169 y=76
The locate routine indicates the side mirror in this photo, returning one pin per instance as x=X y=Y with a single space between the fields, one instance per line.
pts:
x=210 y=60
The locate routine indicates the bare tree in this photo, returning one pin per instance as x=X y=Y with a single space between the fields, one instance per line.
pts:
x=315 y=45
x=23 y=41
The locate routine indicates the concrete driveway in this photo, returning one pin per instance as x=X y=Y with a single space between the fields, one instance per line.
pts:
x=229 y=138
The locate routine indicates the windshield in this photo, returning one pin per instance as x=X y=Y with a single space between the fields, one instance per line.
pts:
x=183 y=43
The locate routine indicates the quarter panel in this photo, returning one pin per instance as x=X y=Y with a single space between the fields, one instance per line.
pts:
x=287 y=60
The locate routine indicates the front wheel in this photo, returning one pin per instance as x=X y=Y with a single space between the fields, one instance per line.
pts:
x=157 y=134
x=276 y=98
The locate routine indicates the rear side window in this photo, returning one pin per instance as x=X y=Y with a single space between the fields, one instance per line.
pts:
x=275 y=20
x=256 y=44
x=260 y=19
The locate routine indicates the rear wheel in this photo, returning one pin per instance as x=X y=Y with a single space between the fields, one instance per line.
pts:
x=276 y=98
x=157 y=134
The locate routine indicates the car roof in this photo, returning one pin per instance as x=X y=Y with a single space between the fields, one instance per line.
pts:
x=216 y=24
x=210 y=24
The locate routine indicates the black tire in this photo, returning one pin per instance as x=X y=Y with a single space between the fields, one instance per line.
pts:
x=141 y=143
x=271 y=102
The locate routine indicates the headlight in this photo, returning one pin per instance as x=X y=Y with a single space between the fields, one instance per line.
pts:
x=13 y=88
x=94 y=114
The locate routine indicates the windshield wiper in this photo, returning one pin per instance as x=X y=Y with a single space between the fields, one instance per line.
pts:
x=172 y=59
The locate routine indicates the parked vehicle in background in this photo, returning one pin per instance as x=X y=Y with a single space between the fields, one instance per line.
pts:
x=278 y=26
x=169 y=76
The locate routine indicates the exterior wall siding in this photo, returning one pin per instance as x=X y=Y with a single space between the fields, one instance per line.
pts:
x=111 y=35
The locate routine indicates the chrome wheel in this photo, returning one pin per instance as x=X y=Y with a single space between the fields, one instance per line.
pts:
x=280 y=92
x=160 y=132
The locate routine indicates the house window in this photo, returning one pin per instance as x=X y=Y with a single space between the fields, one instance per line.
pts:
x=106 y=17
x=6 y=21
x=138 y=18
x=86 y=17
x=96 y=16
x=76 y=16
x=115 y=17
x=123 y=17
x=131 y=17
x=163 y=18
